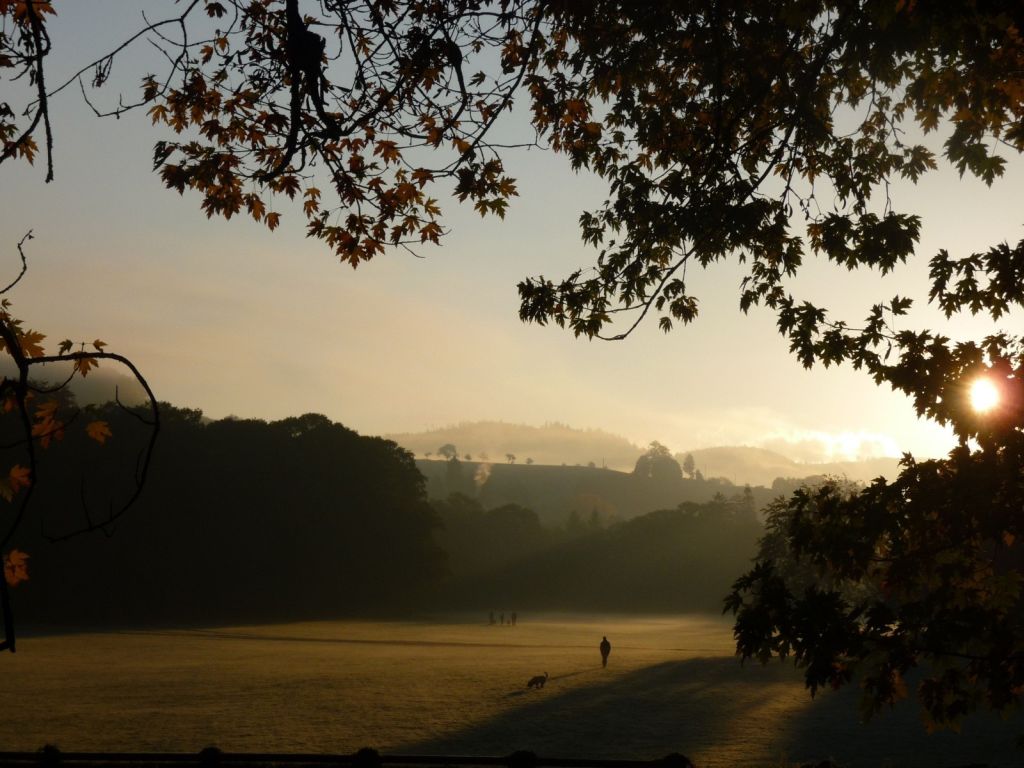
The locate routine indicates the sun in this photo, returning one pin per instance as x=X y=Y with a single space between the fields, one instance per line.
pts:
x=984 y=395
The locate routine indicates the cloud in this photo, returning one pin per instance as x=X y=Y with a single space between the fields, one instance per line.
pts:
x=812 y=446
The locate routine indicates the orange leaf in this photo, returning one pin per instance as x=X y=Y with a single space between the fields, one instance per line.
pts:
x=19 y=477
x=30 y=343
x=84 y=364
x=421 y=176
x=46 y=410
x=15 y=567
x=99 y=431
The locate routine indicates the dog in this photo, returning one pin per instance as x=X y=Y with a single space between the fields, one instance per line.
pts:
x=537 y=681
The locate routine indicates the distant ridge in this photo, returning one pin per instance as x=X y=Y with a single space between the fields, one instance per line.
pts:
x=556 y=444
x=552 y=443
x=760 y=466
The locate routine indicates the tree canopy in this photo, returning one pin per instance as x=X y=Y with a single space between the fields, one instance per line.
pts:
x=241 y=520
x=760 y=134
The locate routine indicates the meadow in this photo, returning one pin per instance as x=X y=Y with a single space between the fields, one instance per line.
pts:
x=457 y=686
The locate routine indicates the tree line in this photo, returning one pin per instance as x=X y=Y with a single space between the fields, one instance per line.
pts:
x=246 y=520
x=241 y=519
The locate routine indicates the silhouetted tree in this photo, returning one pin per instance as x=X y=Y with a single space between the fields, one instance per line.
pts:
x=274 y=521
x=36 y=414
x=511 y=458
x=448 y=451
x=657 y=464
x=529 y=460
x=688 y=465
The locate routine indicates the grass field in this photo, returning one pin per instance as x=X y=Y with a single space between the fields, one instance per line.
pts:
x=456 y=687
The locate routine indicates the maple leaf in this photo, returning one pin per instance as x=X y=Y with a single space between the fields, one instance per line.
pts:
x=46 y=427
x=15 y=567
x=289 y=185
x=84 y=364
x=46 y=410
x=99 y=345
x=256 y=207
x=30 y=343
x=272 y=220
x=19 y=477
x=65 y=346
x=421 y=176
x=99 y=431
x=158 y=112
x=388 y=150
x=430 y=231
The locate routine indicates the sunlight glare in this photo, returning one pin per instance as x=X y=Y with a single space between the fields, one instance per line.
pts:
x=984 y=395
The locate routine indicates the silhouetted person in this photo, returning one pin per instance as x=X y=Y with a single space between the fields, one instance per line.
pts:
x=492 y=617
x=606 y=648
x=513 y=619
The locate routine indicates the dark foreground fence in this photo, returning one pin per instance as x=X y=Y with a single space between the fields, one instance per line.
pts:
x=211 y=757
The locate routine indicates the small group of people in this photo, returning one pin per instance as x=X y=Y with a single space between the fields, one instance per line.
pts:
x=512 y=618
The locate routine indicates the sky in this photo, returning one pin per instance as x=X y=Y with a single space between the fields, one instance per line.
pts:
x=232 y=319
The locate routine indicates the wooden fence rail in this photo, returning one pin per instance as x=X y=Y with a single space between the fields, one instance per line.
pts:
x=211 y=757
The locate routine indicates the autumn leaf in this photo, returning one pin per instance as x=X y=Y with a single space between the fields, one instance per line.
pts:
x=30 y=343
x=46 y=425
x=430 y=231
x=99 y=431
x=84 y=364
x=46 y=410
x=19 y=477
x=158 y=112
x=15 y=567
x=388 y=150
x=272 y=220
x=99 y=345
x=256 y=207
x=65 y=347
x=421 y=176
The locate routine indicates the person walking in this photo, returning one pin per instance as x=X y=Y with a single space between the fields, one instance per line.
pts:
x=606 y=648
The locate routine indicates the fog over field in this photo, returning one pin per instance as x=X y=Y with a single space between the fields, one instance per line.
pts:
x=456 y=686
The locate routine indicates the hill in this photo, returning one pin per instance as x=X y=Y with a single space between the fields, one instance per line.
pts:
x=557 y=493
x=551 y=443
x=760 y=466
x=556 y=444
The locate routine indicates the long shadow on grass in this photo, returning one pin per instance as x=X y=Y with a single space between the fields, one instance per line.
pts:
x=832 y=727
x=686 y=706
x=721 y=714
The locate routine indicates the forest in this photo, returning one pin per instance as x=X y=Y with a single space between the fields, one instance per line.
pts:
x=247 y=520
